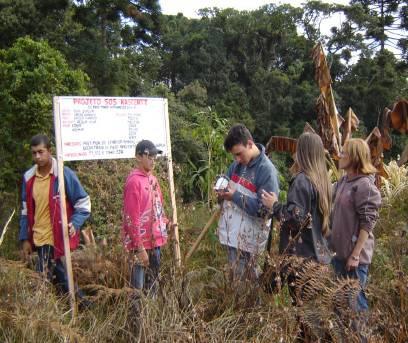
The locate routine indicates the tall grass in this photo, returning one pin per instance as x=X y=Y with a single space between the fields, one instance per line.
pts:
x=193 y=305
x=199 y=303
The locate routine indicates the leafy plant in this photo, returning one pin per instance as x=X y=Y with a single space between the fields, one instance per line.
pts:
x=209 y=129
x=396 y=182
x=31 y=73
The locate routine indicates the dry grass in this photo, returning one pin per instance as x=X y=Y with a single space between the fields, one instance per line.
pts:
x=193 y=306
x=199 y=304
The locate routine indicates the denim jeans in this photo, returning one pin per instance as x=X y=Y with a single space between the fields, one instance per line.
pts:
x=56 y=273
x=54 y=270
x=360 y=273
x=146 y=278
x=242 y=264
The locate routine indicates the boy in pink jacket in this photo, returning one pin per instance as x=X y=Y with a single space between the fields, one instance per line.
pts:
x=144 y=225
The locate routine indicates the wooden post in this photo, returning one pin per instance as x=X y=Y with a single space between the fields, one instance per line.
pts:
x=88 y=236
x=64 y=220
x=202 y=233
x=177 y=253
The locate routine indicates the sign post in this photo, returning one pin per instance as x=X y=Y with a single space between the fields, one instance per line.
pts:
x=177 y=254
x=63 y=208
x=90 y=128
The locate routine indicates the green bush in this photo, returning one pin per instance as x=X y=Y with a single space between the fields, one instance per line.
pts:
x=31 y=73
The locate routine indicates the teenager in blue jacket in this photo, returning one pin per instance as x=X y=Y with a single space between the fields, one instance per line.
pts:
x=242 y=229
x=40 y=221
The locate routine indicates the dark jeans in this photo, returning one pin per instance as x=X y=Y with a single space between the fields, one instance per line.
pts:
x=360 y=273
x=54 y=270
x=146 y=278
x=242 y=264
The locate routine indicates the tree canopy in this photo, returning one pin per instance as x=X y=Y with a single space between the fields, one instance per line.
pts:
x=250 y=66
x=31 y=73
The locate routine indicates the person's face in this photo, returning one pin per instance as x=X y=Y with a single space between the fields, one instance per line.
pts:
x=41 y=155
x=344 y=161
x=242 y=153
x=146 y=162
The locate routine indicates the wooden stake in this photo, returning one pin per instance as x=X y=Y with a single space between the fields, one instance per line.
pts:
x=64 y=220
x=3 y=233
x=88 y=236
x=176 y=241
x=202 y=233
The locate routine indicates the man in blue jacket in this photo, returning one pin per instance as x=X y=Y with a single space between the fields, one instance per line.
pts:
x=40 y=221
x=242 y=228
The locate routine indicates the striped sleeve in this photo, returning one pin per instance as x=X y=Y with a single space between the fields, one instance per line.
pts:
x=23 y=232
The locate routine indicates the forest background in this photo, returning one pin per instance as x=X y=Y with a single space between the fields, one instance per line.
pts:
x=227 y=66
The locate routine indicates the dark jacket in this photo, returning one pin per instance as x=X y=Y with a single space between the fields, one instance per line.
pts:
x=302 y=201
x=355 y=208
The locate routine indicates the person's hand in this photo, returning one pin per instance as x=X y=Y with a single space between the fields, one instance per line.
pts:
x=228 y=193
x=268 y=199
x=142 y=258
x=26 y=249
x=71 y=230
x=352 y=262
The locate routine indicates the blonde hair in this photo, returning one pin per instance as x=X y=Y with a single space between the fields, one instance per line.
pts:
x=359 y=155
x=310 y=157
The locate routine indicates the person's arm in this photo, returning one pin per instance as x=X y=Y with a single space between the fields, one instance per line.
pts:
x=367 y=202
x=170 y=225
x=165 y=217
x=23 y=232
x=131 y=225
x=79 y=200
x=298 y=204
x=268 y=181
x=354 y=258
x=131 y=216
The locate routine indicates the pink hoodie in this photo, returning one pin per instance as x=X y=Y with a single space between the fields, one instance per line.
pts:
x=144 y=222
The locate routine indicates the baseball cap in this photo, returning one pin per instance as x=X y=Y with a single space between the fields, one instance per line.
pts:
x=147 y=147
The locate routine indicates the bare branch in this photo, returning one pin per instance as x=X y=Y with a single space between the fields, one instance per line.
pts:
x=3 y=234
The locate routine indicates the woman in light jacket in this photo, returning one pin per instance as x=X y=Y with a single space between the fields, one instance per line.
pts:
x=355 y=212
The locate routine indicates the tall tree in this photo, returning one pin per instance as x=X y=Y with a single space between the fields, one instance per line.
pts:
x=384 y=20
x=31 y=73
x=120 y=22
x=40 y=19
x=106 y=32
x=102 y=37
x=379 y=24
x=252 y=64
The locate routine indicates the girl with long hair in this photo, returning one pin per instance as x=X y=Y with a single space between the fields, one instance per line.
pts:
x=304 y=219
x=305 y=216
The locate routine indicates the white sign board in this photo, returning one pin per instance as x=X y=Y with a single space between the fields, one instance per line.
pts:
x=110 y=127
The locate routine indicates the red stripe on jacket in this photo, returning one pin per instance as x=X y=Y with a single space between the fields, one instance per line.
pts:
x=244 y=182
